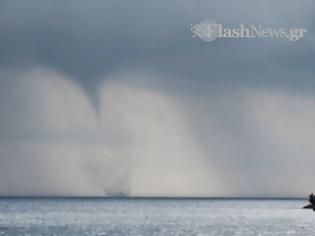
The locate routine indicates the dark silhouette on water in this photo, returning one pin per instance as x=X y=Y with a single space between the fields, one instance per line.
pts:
x=312 y=201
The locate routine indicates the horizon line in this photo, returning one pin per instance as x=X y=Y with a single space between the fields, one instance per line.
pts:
x=160 y=197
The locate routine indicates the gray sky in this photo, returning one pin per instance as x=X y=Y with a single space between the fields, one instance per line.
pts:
x=109 y=97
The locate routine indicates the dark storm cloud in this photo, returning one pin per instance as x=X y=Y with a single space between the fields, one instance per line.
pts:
x=87 y=40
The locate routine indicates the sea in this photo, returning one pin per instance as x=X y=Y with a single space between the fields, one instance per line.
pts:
x=154 y=216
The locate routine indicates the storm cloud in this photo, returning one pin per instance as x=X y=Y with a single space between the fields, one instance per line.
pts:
x=110 y=97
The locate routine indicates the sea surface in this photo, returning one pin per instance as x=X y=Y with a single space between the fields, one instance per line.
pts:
x=152 y=216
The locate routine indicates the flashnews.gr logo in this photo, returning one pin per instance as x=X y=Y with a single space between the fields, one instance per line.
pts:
x=208 y=30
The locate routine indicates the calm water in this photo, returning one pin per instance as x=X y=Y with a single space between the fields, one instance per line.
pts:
x=154 y=217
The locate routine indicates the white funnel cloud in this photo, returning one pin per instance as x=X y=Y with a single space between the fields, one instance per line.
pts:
x=54 y=143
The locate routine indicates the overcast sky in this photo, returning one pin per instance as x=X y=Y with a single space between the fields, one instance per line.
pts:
x=117 y=97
